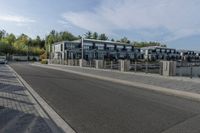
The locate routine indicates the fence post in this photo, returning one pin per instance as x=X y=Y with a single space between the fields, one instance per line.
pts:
x=146 y=67
x=135 y=66
x=191 y=72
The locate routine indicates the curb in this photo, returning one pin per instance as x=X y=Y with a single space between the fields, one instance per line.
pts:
x=44 y=109
x=178 y=93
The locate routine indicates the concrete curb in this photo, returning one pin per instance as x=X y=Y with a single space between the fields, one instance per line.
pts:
x=44 y=109
x=183 y=94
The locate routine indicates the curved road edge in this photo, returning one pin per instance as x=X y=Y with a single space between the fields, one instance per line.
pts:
x=44 y=109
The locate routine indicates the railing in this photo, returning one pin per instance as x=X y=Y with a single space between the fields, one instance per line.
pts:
x=147 y=67
x=111 y=65
x=71 y=62
x=188 y=69
x=183 y=69
x=90 y=63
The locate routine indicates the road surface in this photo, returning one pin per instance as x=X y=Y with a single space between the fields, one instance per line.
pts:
x=91 y=105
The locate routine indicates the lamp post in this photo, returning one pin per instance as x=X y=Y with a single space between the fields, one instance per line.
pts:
x=82 y=50
x=27 y=53
x=49 y=53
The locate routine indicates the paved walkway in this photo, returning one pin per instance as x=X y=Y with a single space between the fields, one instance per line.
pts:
x=18 y=113
x=175 y=83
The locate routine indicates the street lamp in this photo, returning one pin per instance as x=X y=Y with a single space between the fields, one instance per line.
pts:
x=50 y=53
x=82 y=50
x=27 y=53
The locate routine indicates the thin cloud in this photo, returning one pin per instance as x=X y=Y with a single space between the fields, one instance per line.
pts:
x=16 y=19
x=64 y=23
x=180 y=18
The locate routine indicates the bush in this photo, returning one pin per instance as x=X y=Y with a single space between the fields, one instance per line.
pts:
x=17 y=59
x=43 y=56
x=44 y=61
x=34 y=59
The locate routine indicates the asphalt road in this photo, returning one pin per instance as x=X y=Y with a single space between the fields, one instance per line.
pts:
x=96 y=106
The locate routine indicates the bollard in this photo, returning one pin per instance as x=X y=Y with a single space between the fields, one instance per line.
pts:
x=124 y=65
x=135 y=66
x=146 y=67
x=191 y=72
x=90 y=63
x=80 y=62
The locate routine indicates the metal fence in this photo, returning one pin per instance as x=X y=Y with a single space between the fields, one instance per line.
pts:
x=115 y=65
x=183 y=69
x=90 y=63
x=146 y=67
x=188 y=69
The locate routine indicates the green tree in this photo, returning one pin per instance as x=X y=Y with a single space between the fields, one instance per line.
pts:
x=2 y=34
x=88 y=35
x=147 y=44
x=103 y=37
x=125 y=40
x=21 y=44
x=112 y=40
x=6 y=48
x=54 y=36
x=9 y=39
x=67 y=36
x=95 y=35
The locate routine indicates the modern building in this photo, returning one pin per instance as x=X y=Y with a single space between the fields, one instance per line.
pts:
x=154 y=53
x=90 y=50
x=188 y=55
x=94 y=50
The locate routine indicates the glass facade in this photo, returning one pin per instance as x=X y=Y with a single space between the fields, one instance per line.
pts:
x=95 y=49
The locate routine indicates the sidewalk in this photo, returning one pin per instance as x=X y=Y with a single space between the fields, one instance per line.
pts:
x=153 y=80
x=18 y=111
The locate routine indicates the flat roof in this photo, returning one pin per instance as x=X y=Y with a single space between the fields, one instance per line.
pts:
x=106 y=41
x=93 y=40
x=185 y=50
x=160 y=47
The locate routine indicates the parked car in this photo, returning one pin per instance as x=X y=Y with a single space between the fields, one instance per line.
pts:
x=3 y=61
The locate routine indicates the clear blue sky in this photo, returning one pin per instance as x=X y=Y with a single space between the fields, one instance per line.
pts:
x=175 y=22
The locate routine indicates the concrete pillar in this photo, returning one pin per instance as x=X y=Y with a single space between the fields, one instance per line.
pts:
x=127 y=65
x=70 y=62
x=76 y=62
x=124 y=65
x=168 y=68
x=63 y=55
x=99 y=64
x=82 y=63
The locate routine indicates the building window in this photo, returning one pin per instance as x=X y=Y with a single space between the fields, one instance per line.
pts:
x=110 y=47
x=128 y=48
x=158 y=50
x=168 y=50
x=163 y=50
x=120 y=48
x=87 y=46
x=99 y=46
